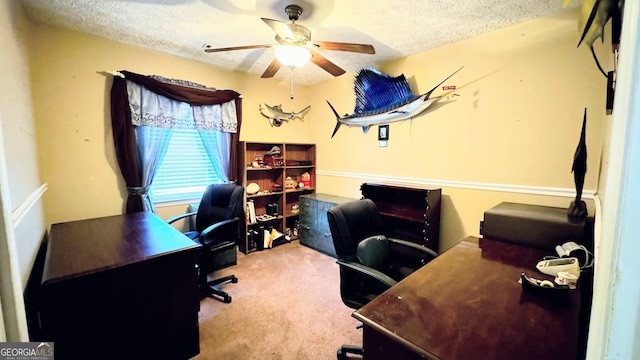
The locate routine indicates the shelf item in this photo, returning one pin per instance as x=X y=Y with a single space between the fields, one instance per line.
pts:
x=274 y=206
x=314 y=227
x=408 y=213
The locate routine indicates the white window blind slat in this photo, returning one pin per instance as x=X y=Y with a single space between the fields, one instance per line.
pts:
x=185 y=171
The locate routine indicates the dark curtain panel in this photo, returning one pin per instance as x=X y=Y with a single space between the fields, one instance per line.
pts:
x=234 y=171
x=124 y=134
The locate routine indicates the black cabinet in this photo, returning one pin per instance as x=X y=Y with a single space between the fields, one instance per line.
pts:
x=120 y=287
x=408 y=213
x=314 y=227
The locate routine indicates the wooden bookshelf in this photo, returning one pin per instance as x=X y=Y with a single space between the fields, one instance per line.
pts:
x=293 y=161
x=408 y=213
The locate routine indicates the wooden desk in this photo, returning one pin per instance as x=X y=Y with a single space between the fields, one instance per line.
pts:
x=467 y=304
x=120 y=287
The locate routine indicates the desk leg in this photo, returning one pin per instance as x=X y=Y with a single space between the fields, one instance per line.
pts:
x=378 y=346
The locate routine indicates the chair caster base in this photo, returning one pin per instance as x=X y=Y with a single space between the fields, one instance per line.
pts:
x=341 y=354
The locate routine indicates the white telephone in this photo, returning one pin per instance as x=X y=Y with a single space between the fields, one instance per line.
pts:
x=571 y=249
x=555 y=266
x=567 y=248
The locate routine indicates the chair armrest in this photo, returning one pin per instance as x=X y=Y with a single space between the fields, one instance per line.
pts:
x=414 y=246
x=178 y=217
x=369 y=272
x=217 y=226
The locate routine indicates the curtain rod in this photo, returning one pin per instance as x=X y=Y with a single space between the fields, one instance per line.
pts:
x=119 y=74
x=111 y=72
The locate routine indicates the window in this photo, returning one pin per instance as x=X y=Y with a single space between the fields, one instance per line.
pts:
x=186 y=170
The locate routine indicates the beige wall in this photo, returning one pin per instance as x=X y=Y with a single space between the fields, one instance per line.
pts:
x=72 y=111
x=510 y=135
x=16 y=106
x=513 y=128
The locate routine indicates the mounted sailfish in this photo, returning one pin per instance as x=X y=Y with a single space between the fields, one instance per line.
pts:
x=382 y=99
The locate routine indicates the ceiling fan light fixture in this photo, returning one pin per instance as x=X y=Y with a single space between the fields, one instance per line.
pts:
x=292 y=55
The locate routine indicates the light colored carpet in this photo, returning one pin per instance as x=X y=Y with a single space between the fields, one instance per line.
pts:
x=286 y=305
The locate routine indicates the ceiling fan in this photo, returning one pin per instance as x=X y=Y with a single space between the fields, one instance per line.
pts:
x=297 y=39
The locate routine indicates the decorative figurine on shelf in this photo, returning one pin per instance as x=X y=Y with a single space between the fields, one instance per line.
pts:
x=578 y=208
x=290 y=183
x=257 y=162
x=306 y=179
x=274 y=157
x=253 y=188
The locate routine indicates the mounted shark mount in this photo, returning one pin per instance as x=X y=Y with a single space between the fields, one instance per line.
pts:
x=382 y=99
x=276 y=116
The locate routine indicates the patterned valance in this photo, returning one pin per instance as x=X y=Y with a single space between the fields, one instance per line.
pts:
x=150 y=109
x=180 y=82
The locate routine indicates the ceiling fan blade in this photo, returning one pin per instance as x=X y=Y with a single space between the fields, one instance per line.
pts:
x=281 y=29
x=247 y=47
x=325 y=64
x=358 y=48
x=272 y=69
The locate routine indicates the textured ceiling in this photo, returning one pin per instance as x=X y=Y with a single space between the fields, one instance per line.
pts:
x=184 y=27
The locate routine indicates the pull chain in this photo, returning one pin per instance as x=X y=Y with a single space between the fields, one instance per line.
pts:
x=291 y=88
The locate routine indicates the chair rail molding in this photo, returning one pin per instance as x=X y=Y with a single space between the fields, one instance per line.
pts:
x=522 y=189
x=19 y=213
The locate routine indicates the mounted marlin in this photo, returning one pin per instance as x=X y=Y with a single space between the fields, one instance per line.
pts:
x=382 y=99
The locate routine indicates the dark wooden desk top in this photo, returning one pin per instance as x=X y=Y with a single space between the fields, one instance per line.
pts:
x=109 y=242
x=468 y=304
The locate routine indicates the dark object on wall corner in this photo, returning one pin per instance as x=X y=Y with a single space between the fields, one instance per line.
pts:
x=598 y=16
x=611 y=90
x=578 y=208
x=592 y=22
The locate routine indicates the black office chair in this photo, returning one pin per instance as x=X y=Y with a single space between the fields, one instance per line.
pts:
x=217 y=229
x=370 y=263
